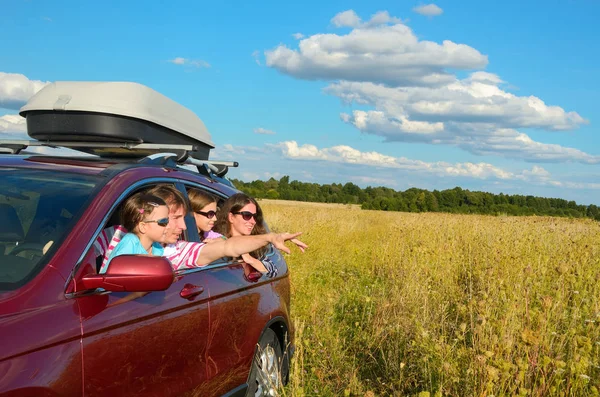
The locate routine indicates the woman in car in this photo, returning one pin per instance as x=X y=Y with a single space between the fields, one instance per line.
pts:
x=242 y=216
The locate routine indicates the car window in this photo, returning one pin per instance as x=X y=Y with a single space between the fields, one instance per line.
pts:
x=37 y=208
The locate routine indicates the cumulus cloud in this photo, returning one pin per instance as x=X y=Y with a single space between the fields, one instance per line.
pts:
x=13 y=123
x=477 y=98
x=350 y=19
x=298 y=36
x=474 y=114
x=16 y=89
x=429 y=10
x=197 y=63
x=481 y=139
x=346 y=18
x=381 y=50
x=263 y=131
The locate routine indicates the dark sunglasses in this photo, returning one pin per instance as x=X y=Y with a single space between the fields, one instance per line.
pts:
x=247 y=215
x=210 y=214
x=160 y=222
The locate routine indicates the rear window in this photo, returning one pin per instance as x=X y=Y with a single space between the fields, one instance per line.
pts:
x=37 y=208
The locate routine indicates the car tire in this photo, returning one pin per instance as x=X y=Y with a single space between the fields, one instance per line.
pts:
x=266 y=377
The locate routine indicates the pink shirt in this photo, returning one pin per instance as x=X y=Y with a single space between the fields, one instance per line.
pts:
x=182 y=254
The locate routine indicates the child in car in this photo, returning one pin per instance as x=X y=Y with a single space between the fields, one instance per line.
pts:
x=146 y=217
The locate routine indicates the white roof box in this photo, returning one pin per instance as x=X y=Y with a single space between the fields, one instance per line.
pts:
x=113 y=112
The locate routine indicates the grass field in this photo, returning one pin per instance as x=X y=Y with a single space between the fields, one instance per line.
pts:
x=434 y=304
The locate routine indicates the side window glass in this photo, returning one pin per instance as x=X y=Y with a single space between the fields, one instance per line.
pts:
x=35 y=215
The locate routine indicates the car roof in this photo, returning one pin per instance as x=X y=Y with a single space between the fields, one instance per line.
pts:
x=108 y=168
x=88 y=166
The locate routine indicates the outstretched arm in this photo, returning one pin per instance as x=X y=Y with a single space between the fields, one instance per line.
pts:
x=236 y=246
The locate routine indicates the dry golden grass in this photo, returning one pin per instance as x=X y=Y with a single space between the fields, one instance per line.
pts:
x=444 y=305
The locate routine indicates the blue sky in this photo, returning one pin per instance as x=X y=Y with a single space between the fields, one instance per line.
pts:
x=494 y=97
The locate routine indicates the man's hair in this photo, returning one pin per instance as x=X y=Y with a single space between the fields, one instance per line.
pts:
x=169 y=193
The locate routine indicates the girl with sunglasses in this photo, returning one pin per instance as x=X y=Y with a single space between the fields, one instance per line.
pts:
x=146 y=216
x=204 y=208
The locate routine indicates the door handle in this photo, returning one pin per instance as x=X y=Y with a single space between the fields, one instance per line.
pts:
x=191 y=291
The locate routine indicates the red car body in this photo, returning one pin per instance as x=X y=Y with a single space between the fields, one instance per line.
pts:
x=60 y=335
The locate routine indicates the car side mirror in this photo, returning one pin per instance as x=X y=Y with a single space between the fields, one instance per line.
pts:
x=132 y=273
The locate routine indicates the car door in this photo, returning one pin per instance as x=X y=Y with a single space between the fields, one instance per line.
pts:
x=154 y=345
x=235 y=304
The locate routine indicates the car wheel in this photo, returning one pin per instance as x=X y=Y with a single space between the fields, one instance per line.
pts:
x=265 y=376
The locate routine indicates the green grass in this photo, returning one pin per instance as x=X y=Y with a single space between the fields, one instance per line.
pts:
x=399 y=304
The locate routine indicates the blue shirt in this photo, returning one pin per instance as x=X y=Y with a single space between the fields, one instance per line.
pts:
x=130 y=244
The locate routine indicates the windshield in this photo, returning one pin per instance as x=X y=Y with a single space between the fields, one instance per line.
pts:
x=37 y=208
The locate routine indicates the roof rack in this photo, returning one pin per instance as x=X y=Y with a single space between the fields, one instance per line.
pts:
x=145 y=153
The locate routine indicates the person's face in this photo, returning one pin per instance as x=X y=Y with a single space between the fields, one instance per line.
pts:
x=241 y=223
x=176 y=224
x=206 y=217
x=154 y=225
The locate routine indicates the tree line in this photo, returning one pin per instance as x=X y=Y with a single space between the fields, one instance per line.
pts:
x=454 y=200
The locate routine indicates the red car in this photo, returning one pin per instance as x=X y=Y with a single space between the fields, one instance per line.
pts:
x=215 y=330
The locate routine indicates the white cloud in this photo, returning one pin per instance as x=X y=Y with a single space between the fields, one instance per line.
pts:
x=429 y=10
x=16 y=89
x=263 y=131
x=348 y=155
x=13 y=123
x=474 y=114
x=476 y=99
x=346 y=18
x=481 y=139
x=198 y=63
x=350 y=19
x=381 y=50
x=298 y=36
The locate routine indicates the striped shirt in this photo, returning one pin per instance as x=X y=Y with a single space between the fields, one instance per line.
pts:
x=182 y=254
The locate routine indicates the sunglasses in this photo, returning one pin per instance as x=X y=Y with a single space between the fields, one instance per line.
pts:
x=210 y=214
x=160 y=222
x=247 y=215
